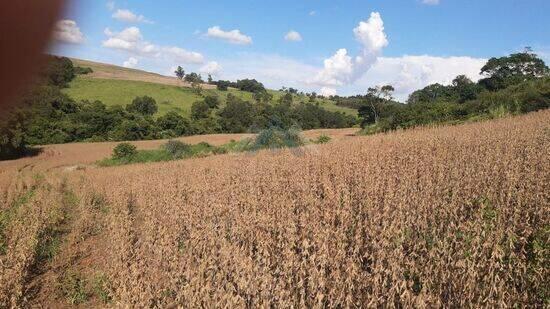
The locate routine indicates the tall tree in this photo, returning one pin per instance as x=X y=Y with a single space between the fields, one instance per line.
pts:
x=376 y=96
x=145 y=105
x=465 y=88
x=180 y=73
x=516 y=68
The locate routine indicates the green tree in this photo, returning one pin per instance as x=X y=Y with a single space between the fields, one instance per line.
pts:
x=432 y=93
x=212 y=101
x=199 y=110
x=375 y=98
x=143 y=105
x=237 y=116
x=173 y=124
x=516 y=68
x=249 y=85
x=124 y=150
x=286 y=99
x=465 y=88
x=193 y=78
x=180 y=73
x=223 y=85
x=262 y=96
x=59 y=71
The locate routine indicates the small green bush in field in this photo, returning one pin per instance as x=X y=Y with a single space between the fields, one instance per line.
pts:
x=177 y=149
x=273 y=138
x=322 y=139
x=124 y=150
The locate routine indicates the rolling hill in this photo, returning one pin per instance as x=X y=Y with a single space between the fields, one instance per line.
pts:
x=114 y=85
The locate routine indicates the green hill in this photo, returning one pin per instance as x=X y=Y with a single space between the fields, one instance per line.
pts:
x=115 y=85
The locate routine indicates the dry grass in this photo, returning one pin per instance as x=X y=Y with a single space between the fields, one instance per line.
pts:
x=441 y=217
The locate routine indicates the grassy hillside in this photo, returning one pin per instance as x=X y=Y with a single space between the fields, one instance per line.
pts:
x=115 y=85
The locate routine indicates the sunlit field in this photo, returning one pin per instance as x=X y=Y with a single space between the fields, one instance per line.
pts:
x=448 y=216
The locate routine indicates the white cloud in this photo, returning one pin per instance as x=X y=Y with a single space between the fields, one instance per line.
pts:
x=130 y=17
x=131 y=40
x=341 y=69
x=430 y=2
x=110 y=5
x=293 y=36
x=312 y=13
x=410 y=73
x=67 y=31
x=272 y=70
x=337 y=70
x=130 y=63
x=131 y=34
x=327 y=92
x=233 y=36
x=184 y=56
x=406 y=73
x=211 y=67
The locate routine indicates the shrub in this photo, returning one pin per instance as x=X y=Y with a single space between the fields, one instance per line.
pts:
x=219 y=150
x=124 y=150
x=177 y=149
x=273 y=138
x=322 y=139
x=83 y=70
x=143 y=105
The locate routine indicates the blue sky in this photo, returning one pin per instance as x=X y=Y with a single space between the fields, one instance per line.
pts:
x=335 y=46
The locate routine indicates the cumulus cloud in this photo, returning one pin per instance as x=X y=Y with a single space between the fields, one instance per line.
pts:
x=131 y=40
x=185 y=56
x=430 y=2
x=410 y=73
x=273 y=71
x=67 y=31
x=130 y=63
x=293 y=36
x=130 y=17
x=327 y=92
x=341 y=69
x=406 y=73
x=211 y=67
x=233 y=36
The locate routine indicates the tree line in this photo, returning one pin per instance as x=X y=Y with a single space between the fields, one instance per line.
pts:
x=514 y=84
x=45 y=115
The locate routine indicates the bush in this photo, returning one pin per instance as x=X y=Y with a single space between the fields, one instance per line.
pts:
x=143 y=105
x=222 y=85
x=177 y=149
x=219 y=150
x=124 y=151
x=322 y=139
x=82 y=71
x=274 y=138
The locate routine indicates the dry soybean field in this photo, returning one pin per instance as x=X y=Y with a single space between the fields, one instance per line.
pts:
x=450 y=216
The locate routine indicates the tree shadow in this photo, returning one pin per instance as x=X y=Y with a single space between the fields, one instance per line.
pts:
x=28 y=152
